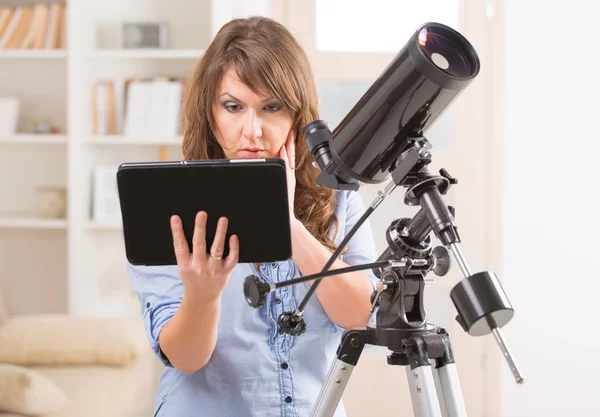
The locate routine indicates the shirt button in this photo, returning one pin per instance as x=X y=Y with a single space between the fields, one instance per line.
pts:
x=278 y=300
x=288 y=399
x=284 y=365
x=274 y=264
x=148 y=305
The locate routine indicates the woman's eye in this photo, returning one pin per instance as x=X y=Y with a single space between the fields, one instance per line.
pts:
x=232 y=107
x=273 y=107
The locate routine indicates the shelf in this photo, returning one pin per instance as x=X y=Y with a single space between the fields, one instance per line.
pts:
x=132 y=141
x=148 y=53
x=33 y=53
x=31 y=223
x=96 y=225
x=22 y=138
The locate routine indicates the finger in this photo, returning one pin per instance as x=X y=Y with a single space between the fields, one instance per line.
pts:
x=199 y=237
x=182 y=251
x=291 y=148
x=283 y=155
x=218 y=246
x=234 y=252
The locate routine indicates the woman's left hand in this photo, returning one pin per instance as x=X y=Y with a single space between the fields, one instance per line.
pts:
x=288 y=154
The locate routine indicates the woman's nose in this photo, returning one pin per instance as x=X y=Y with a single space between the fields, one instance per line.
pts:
x=252 y=125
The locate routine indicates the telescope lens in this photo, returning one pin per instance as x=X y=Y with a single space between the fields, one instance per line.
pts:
x=447 y=52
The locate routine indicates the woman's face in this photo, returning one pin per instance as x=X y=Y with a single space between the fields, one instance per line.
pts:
x=249 y=125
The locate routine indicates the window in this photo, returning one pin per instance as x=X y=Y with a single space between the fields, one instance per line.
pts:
x=376 y=25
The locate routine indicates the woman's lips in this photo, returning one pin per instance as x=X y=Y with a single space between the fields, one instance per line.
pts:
x=252 y=153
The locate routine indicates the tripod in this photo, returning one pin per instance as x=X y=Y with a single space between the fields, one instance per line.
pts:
x=402 y=328
x=401 y=319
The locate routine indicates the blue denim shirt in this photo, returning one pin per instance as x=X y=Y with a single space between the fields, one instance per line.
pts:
x=254 y=370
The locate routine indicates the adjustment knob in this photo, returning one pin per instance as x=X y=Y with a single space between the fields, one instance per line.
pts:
x=441 y=261
x=381 y=286
x=290 y=324
x=446 y=175
x=255 y=291
x=388 y=283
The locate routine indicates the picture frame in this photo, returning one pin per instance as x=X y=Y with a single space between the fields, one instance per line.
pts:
x=106 y=206
x=145 y=35
x=9 y=115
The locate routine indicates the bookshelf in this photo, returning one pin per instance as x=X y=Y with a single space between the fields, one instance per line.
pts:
x=32 y=223
x=76 y=263
x=33 y=54
x=27 y=139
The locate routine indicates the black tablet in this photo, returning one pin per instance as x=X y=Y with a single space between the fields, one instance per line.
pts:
x=251 y=193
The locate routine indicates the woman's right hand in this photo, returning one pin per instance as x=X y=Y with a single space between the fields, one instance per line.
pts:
x=206 y=275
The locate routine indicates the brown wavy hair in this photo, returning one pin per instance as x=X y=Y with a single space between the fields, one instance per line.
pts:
x=266 y=58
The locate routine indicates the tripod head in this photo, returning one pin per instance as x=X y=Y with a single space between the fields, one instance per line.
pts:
x=384 y=136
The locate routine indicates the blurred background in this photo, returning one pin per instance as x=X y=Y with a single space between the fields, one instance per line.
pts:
x=86 y=85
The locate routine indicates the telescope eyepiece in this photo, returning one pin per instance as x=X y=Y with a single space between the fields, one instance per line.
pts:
x=314 y=126
x=317 y=136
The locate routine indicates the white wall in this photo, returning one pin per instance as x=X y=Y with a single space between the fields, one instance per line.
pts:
x=550 y=230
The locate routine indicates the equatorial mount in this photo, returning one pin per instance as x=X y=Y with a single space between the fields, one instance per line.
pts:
x=403 y=267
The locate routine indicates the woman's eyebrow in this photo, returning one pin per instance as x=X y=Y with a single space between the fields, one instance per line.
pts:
x=237 y=99
x=233 y=97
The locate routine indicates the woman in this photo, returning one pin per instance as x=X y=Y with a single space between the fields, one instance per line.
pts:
x=249 y=97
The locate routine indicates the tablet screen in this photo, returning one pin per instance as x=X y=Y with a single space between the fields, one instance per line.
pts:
x=251 y=193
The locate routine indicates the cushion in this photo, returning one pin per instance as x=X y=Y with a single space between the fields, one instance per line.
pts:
x=27 y=392
x=69 y=340
x=106 y=391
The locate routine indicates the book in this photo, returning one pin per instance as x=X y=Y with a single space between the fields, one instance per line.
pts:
x=35 y=26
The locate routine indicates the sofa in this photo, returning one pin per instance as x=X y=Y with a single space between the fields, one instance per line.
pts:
x=58 y=365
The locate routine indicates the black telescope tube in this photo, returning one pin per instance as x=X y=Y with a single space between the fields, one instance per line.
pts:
x=414 y=90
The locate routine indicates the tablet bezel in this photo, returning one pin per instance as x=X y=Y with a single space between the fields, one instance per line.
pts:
x=266 y=241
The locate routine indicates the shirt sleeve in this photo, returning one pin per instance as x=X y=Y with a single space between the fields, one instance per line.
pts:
x=160 y=291
x=361 y=248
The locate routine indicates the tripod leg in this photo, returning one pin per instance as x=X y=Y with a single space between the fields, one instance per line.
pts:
x=453 y=400
x=332 y=390
x=450 y=385
x=331 y=393
x=420 y=381
x=422 y=392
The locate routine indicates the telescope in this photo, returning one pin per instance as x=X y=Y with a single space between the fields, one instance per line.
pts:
x=382 y=138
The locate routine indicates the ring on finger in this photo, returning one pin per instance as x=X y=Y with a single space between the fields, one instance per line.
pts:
x=217 y=250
